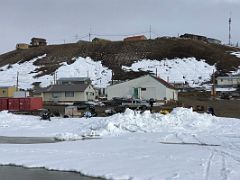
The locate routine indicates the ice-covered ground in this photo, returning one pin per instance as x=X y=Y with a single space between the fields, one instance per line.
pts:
x=82 y=67
x=180 y=145
x=177 y=70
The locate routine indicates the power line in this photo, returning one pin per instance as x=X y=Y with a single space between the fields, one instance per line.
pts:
x=122 y=35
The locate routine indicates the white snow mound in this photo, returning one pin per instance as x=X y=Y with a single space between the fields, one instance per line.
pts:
x=176 y=70
x=82 y=67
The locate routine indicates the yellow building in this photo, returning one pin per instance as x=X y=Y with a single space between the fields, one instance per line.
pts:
x=7 y=91
x=22 y=46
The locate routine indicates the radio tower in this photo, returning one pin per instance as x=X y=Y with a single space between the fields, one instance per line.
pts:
x=229 y=36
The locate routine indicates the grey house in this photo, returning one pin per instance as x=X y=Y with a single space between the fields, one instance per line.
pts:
x=144 y=87
x=228 y=81
x=66 y=94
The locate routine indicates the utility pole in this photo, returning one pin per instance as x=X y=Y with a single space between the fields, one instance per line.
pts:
x=112 y=76
x=54 y=78
x=17 y=81
x=213 y=92
x=76 y=36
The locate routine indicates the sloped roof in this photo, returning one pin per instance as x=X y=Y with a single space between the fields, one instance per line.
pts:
x=74 y=79
x=165 y=83
x=63 y=88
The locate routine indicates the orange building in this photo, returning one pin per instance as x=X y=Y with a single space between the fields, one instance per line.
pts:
x=135 y=38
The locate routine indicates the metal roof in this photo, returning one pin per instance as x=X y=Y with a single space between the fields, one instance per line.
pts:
x=163 y=82
x=63 y=88
x=74 y=79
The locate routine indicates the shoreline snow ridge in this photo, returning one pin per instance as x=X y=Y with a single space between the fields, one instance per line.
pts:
x=131 y=145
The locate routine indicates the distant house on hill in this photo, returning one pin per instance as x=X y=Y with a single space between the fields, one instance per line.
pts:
x=194 y=37
x=22 y=46
x=135 y=38
x=213 y=41
x=144 y=87
x=100 y=40
x=82 y=42
x=35 y=42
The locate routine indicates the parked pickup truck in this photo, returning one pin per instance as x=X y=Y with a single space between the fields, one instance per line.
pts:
x=136 y=104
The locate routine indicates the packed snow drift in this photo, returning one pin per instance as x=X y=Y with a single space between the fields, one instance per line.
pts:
x=128 y=122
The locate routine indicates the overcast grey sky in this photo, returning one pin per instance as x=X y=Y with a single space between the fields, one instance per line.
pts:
x=59 y=20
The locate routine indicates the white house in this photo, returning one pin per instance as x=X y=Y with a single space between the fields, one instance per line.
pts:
x=228 y=81
x=144 y=87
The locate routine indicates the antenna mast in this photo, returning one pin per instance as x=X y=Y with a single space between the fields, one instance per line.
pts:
x=89 y=35
x=150 y=32
x=229 y=23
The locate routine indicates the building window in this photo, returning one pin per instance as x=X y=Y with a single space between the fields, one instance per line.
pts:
x=69 y=94
x=89 y=94
x=56 y=94
x=143 y=89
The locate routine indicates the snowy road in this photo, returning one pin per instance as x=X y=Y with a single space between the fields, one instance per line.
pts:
x=181 y=145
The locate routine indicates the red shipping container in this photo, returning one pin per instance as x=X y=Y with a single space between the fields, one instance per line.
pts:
x=13 y=104
x=3 y=104
x=30 y=103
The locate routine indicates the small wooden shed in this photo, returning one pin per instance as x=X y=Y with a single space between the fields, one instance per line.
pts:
x=22 y=46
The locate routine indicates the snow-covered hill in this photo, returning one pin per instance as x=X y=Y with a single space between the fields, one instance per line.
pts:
x=177 y=70
x=82 y=67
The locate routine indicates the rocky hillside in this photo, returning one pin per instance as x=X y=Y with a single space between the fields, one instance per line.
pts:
x=116 y=54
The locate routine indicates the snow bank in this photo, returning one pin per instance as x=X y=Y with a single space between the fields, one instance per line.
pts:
x=180 y=119
x=176 y=70
x=133 y=121
x=181 y=145
x=82 y=67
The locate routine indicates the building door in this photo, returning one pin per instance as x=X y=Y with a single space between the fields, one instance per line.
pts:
x=135 y=93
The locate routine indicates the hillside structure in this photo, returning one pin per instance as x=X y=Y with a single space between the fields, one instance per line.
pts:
x=213 y=41
x=194 y=37
x=135 y=38
x=22 y=46
x=35 y=42
x=144 y=87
